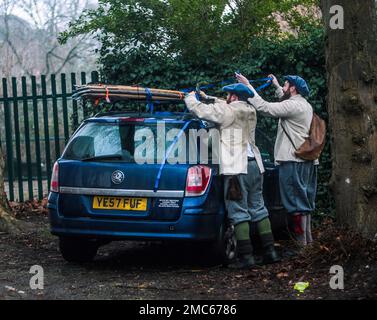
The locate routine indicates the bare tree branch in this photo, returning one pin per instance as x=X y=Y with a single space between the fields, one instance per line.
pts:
x=30 y=45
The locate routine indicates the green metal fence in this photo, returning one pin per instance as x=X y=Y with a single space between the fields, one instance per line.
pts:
x=37 y=117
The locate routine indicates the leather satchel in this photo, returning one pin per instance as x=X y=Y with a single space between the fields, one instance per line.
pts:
x=234 y=190
x=313 y=146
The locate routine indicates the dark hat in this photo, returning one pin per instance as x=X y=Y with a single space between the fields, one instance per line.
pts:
x=300 y=84
x=240 y=90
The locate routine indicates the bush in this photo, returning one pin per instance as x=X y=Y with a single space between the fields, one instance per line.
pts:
x=177 y=44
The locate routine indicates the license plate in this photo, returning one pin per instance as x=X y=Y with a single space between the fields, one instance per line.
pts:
x=120 y=203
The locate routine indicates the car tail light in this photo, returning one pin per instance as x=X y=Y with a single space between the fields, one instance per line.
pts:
x=198 y=178
x=55 y=178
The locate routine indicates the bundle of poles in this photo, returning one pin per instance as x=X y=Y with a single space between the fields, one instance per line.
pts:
x=118 y=93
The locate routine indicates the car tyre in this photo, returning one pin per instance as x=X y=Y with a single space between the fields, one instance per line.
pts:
x=224 y=249
x=78 y=250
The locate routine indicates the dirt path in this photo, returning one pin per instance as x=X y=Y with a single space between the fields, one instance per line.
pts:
x=127 y=270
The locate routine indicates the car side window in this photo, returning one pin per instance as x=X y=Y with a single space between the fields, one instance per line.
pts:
x=94 y=140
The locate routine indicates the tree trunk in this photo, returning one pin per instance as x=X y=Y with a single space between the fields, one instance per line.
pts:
x=352 y=105
x=7 y=222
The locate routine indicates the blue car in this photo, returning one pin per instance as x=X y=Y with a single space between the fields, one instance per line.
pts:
x=99 y=193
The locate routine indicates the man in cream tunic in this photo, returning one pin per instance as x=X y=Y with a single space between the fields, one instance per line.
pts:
x=298 y=178
x=240 y=159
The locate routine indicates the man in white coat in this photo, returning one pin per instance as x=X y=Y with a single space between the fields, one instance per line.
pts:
x=241 y=164
x=298 y=178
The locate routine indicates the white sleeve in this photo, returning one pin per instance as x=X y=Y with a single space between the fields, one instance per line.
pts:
x=282 y=109
x=279 y=92
x=218 y=112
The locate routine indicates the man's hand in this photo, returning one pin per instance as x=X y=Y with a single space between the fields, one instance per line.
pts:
x=274 y=80
x=203 y=95
x=243 y=79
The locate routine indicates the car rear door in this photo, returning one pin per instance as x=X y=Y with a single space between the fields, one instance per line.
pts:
x=91 y=186
x=88 y=189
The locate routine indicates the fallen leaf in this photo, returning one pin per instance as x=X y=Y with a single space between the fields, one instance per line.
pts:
x=10 y=288
x=282 y=275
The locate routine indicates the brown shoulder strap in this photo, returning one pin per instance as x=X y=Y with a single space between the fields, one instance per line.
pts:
x=289 y=137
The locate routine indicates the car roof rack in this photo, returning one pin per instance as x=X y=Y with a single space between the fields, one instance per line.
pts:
x=182 y=116
x=125 y=93
x=114 y=95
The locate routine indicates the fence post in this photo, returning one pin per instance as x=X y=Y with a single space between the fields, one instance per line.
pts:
x=65 y=106
x=27 y=138
x=94 y=77
x=17 y=138
x=36 y=135
x=8 y=135
x=85 y=109
x=75 y=118
x=55 y=116
x=46 y=130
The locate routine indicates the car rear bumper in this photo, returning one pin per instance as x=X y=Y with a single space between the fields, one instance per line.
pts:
x=192 y=227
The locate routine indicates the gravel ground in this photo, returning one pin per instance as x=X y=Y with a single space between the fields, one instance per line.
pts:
x=138 y=271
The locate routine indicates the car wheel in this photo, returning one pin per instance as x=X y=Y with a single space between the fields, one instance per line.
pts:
x=224 y=249
x=78 y=250
x=230 y=245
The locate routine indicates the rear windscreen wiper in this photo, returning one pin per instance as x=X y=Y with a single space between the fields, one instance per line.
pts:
x=105 y=157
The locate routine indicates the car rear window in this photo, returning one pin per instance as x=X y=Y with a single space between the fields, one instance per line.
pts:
x=122 y=139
